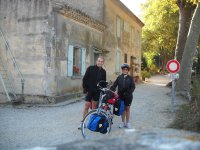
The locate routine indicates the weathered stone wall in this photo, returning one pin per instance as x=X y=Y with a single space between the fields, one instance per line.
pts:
x=110 y=42
x=69 y=32
x=39 y=38
x=93 y=8
x=28 y=28
x=39 y=35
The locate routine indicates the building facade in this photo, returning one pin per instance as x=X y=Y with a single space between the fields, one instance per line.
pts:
x=54 y=41
x=122 y=38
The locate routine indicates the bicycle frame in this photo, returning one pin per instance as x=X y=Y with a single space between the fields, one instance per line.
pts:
x=104 y=109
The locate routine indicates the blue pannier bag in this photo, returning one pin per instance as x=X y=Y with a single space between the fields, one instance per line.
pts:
x=118 y=107
x=93 y=122
x=98 y=123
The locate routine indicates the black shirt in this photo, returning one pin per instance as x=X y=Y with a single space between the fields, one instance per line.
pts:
x=92 y=76
x=125 y=85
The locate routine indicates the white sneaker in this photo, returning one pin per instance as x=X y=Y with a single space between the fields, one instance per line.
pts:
x=121 y=125
x=128 y=125
x=80 y=126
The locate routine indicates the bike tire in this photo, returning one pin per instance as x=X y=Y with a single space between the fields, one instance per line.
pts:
x=85 y=131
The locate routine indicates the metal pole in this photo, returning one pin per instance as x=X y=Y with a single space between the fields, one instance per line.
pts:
x=173 y=94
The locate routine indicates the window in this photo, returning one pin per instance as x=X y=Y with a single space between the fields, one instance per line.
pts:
x=118 y=27
x=96 y=56
x=138 y=39
x=76 y=61
x=125 y=58
x=126 y=27
x=132 y=36
x=118 y=62
x=96 y=53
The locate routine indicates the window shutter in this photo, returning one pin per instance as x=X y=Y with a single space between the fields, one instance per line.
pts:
x=70 y=60
x=138 y=39
x=117 y=67
x=132 y=35
x=118 y=27
x=83 y=61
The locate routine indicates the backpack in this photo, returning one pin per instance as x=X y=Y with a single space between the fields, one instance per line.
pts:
x=98 y=123
x=118 y=107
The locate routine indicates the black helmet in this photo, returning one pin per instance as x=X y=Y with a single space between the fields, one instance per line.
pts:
x=125 y=66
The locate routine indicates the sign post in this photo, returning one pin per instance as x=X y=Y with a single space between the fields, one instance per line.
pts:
x=173 y=66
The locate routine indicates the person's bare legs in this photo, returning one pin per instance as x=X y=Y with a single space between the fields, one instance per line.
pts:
x=94 y=104
x=127 y=111
x=123 y=116
x=122 y=124
x=86 y=108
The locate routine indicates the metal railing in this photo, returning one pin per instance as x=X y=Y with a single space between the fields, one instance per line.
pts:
x=14 y=62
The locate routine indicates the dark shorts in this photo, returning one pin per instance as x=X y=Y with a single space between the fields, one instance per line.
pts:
x=128 y=100
x=92 y=96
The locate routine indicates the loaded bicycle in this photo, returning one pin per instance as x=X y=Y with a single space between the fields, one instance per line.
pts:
x=99 y=121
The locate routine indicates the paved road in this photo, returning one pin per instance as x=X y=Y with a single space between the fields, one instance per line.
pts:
x=25 y=127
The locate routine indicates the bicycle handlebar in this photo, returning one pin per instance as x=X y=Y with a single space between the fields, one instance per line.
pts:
x=105 y=88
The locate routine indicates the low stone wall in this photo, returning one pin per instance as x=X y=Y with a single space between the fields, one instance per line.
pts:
x=130 y=139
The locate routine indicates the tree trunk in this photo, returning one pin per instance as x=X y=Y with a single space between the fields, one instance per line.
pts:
x=184 y=83
x=185 y=13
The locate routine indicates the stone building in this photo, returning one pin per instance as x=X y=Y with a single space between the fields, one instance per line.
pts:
x=46 y=45
x=122 y=38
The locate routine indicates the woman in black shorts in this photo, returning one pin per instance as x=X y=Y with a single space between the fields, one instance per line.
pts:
x=126 y=86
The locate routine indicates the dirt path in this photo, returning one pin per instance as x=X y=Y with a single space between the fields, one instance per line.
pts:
x=26 y=127
x=151 y=104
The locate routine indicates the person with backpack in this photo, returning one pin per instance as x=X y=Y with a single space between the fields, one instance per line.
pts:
x=126 y=86
x=92 y=76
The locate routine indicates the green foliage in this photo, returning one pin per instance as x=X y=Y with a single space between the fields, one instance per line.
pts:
x=144 y=63
x=161 y=24
x=160 y=30
x=150 y=61
x=186 y=3
x=145 y=74
x=195 y=86
x=153 y=69
x=149 y=58
x=196 y=61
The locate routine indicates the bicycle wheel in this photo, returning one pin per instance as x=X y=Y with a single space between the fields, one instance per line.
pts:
x=88 y=134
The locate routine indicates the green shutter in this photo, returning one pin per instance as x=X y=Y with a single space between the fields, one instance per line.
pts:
x=83 y=61
x=70 y=60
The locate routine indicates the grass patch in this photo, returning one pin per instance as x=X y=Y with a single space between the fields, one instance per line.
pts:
x=188 y=115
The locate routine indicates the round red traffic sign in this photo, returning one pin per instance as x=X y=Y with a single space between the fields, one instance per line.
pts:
x=173 y=66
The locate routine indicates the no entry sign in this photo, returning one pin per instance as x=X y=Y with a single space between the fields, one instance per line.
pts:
x=173 y=66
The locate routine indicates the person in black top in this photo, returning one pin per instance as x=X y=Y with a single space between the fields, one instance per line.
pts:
x=126 y=86
x=92 y=76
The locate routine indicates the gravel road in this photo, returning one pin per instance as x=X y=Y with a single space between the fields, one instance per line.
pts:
x=25 y=127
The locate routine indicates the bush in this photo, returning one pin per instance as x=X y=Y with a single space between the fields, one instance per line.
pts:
x=145 y=74
x=153 y=69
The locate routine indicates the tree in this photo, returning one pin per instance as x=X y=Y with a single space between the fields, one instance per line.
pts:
x=186 y=8
x=160 y=30
x=184 y=83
